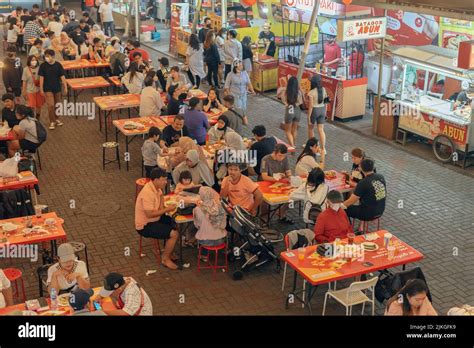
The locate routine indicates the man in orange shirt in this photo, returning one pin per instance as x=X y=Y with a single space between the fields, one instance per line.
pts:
x=240 y=189
x=151 y=220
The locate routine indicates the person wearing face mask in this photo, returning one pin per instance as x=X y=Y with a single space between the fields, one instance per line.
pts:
x=219 y=130
x=30 y=88
x=151 y=103
x=333 y=222
x=52 y=77
x=69 y=273
x=12 y=72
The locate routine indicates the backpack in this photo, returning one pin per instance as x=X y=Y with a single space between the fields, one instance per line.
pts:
x=41 y=133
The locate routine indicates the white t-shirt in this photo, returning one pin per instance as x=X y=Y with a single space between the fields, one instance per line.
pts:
x=56 y=28
x=12 y=34
x=305 y=165
x=4 y=284
x=106 y=10
x=313 y=94
x=317 y=197
x=79 y=267
x=150 y=102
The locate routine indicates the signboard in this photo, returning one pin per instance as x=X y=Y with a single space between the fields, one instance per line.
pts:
x=292 y=14
x=407 y=28
x=303 y=5
x=361 y=29
x=454 y=31
x=330 y=8
x=429 y=127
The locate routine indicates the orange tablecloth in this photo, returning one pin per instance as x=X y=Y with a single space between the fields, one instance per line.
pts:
x=50 y=233
x=115 y=102
x=107 y=306
x=29 y=181
x=317 y=269
x=279 y=195
x=9 y=136
x=76 y=64
x=88 y=82
x=115 y=80
x=196 y=93
x=147 y=122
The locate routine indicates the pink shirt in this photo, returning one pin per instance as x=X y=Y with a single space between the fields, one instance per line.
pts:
x=149 y=198
x=426 y=308
x=206 y=231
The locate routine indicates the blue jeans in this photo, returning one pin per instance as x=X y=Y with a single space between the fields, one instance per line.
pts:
x=241 y=101
x=109 y=28
x=208 y=242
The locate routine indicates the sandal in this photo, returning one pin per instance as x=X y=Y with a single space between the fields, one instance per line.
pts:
x=287 y=220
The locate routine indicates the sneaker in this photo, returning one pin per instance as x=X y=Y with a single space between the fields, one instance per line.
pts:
x=52 y=125
x=59 y=123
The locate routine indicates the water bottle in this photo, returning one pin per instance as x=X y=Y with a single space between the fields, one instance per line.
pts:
x=54 y=299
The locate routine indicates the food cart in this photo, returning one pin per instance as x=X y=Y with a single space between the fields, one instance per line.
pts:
x=425 y=100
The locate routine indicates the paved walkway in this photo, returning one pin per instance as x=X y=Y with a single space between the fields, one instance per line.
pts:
x=436 y=218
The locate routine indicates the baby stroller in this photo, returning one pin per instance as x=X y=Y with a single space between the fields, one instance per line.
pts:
x=256 y=243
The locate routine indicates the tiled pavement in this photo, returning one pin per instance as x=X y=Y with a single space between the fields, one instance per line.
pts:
x=437 y=216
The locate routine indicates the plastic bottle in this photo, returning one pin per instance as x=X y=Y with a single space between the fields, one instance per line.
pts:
x=54 y=299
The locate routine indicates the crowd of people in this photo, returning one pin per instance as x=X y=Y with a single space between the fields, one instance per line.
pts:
x=226 y=63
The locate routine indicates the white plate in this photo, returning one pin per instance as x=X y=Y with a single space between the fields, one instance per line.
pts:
x=365 y=244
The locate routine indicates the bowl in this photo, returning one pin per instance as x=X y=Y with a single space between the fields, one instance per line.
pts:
x=50 y=221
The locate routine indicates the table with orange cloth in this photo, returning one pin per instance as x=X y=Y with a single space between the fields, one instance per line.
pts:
x=9 y=136
x=24 y=180
x=110 y=103
x=277 y=194
x=133 y=127
x=77 y=85
x=45 y=233
x=107 y=306
x=317 y=269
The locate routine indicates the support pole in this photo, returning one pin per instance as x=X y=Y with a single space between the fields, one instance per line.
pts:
x=379 y=87
x=197 y=11
x=137 y=20
x=307 y=41
x=224 y=13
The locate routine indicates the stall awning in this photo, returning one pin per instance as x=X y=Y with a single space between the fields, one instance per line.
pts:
x=460 y=9
x=441 y=58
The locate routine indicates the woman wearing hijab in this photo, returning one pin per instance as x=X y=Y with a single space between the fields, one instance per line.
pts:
x=198 y=168
x=219 y=130
x=235 y=152
x=184 y=145
x=210 y=220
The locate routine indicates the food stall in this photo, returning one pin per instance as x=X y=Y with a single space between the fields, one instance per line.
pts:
x=346 y=92
x=428 y=103
x=180 y=28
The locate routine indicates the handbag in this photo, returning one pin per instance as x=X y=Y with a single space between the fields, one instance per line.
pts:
x=316 y=209
x=35 y=81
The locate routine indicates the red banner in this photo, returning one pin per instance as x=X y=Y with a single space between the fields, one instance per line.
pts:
x=330 y=84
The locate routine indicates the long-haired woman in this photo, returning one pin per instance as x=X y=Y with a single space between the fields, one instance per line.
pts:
x=195 y=61
x=292 y=98
x=212 y=58
x=317 y=110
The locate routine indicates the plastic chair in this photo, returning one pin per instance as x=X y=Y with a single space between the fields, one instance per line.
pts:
x=14 y=275
x=79 y=247
x=354 y=295
x=139 y=184
x=214 y=266
x=42 y=273
x=156 y=248
x=365 y=224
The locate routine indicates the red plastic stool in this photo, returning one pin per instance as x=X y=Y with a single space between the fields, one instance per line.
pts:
x=366 y=223
x=139 y=184
x=13 y=275
x=156 y=248
x=215 y=266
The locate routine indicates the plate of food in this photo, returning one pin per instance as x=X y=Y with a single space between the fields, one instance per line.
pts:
x=63 y=300
x=370 y=246
x=330 y=174
x=129 y=126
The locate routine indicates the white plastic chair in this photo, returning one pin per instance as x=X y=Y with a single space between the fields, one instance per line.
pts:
x=354 y=295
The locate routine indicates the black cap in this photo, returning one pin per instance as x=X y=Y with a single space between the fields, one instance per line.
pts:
x=79 y=298
x=112 y=282
x=164 y=61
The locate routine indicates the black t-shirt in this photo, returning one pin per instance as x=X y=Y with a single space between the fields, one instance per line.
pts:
x=174 y=107
x=10 y=116
x=78 y=37
x=247 y=52
x=372 y=192
x=263 y=147
x=213 y=103
x=90 y=22
x=171 y=136
x=52 y=76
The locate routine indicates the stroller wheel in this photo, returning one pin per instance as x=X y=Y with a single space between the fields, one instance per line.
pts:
x=237 y=275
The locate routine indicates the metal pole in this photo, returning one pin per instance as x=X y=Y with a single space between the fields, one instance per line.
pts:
x=379 y=88
x=307 y=41
x=137 y=20
x=197 y=11
x=224 y=13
